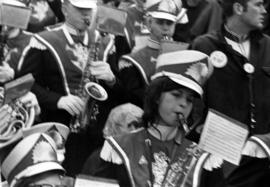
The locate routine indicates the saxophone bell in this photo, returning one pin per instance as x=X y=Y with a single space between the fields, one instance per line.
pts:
x=96 y=91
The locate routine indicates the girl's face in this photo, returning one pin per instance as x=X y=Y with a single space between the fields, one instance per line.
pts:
x=174 y=103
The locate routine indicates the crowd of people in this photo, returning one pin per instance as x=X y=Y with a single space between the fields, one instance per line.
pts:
x=130 y=107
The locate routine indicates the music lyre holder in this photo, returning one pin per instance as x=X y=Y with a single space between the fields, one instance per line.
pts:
x=111 y=20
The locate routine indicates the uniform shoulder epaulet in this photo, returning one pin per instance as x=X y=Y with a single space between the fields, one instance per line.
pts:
x=212 y=162
x=34 y=43
x=109 y=154
x=123 y=63
x=27 y=33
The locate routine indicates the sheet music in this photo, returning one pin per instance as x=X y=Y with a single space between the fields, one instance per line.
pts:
x=83 y=181
x=223 y=137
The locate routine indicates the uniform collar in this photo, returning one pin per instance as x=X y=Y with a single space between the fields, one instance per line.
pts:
x=153 y=44
x=233 y=36
x=68 y=31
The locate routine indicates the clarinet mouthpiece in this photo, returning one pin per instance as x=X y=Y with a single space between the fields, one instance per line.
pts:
x=183 y=122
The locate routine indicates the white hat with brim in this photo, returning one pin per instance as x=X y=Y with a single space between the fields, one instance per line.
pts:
x=189 y=68
x=46 y=127
x=163 y=15
x=84 y=3
x=33 y=155
x=181 y=80
x=35 y=170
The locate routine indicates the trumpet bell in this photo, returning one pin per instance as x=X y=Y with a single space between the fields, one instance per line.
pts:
x=96 y=91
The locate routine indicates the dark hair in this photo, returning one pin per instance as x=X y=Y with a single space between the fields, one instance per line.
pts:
x=227 y=6
x=152 y=95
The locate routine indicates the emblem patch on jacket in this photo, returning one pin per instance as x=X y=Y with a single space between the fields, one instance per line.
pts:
x=78 y=55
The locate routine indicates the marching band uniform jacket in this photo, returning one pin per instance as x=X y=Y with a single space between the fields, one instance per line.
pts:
x=17 y=48
x=56 y=68
x=135 y=26
x=55 y=60
x=238 y=94
x=140 y=153
x=135 y=71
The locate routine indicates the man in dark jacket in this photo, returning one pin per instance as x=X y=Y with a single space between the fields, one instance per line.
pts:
x=240 y=85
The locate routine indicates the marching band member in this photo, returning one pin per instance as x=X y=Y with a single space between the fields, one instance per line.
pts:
x=135 y=69
x=44 y=13
x=57 y=60
x=14 y=41
x=240 y=84
x=160 y=154
x=33 y=162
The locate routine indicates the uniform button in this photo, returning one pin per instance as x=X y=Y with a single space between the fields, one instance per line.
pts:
x=249 y=68
x=218 y=59
x=253 y=120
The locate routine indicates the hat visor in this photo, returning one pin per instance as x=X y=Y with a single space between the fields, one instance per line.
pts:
x=84 y=4
x=181 y=80
x=35 y=170
x=44 y=127
x=163 y=15
x=12 y=2
x=191 y=85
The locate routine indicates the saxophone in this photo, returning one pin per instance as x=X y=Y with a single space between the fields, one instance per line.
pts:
x=89 y=89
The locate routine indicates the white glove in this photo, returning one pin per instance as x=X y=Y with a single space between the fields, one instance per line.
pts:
x=102 y=71
x=72 y=104
x=253 y=149
x=30 y=100
x=213 y=162
x=6 y=72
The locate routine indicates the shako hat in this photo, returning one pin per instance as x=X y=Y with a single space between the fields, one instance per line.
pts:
x=47 y=127
x=188 y=68
x=35 y=154
x=165 y=9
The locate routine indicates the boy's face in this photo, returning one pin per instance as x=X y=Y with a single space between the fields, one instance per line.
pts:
x=159 y=28
x=253 y=15
x=77 y=17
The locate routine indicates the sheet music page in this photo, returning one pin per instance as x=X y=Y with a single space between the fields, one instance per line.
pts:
x=83 y=181
x=223 y=136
